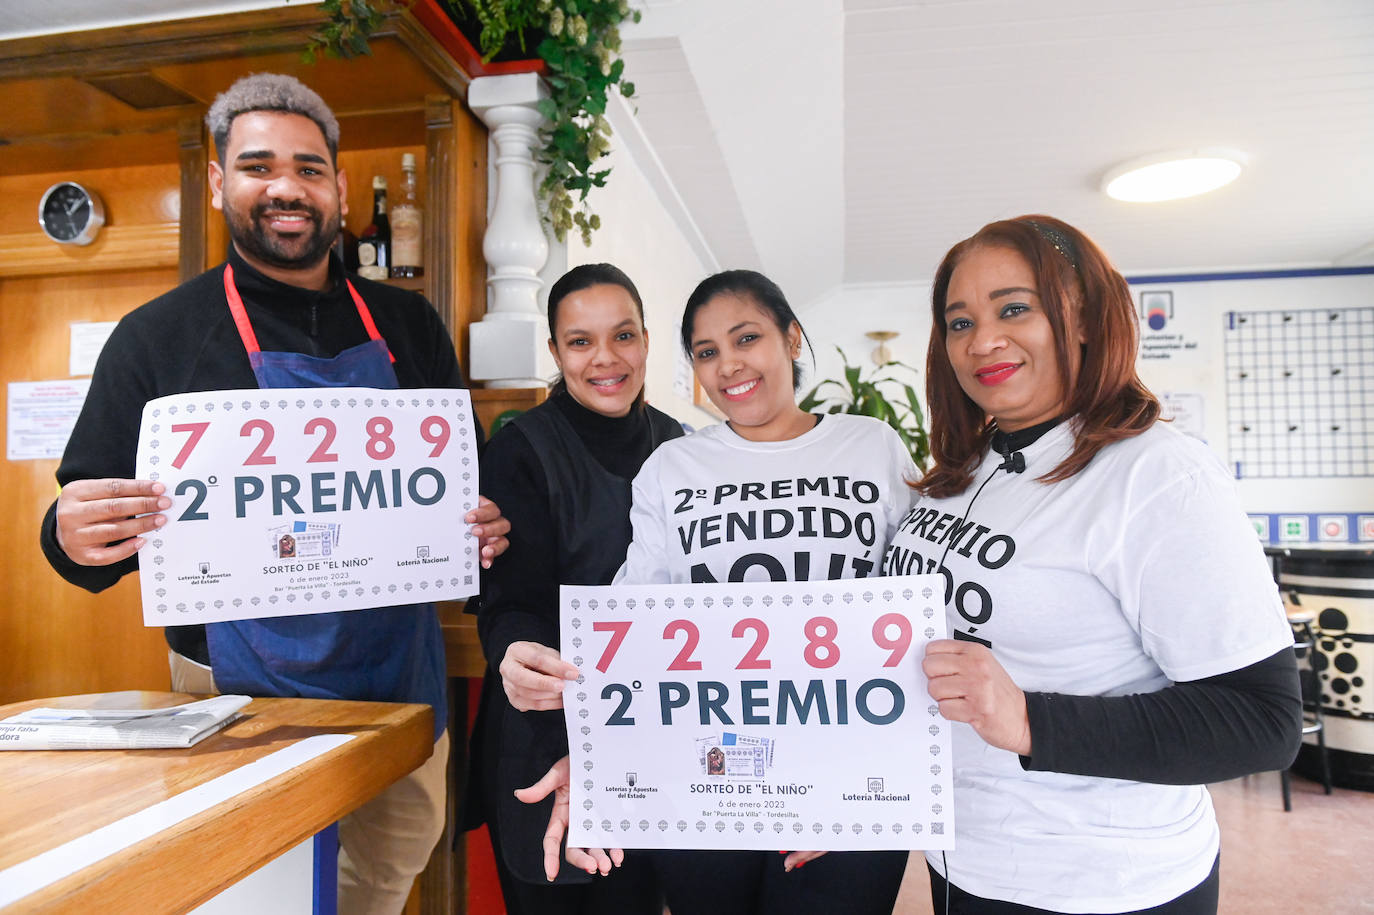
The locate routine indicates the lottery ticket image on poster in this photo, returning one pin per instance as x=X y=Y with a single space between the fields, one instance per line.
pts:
x=734 y=755
x=303 y=540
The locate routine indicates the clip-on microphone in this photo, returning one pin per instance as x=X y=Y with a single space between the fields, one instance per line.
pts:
x=1013 y=462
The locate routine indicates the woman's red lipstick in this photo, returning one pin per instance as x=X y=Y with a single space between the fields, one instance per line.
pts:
x=996 y=374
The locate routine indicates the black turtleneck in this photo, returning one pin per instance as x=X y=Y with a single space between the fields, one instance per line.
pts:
x=185 y=341
x=619 y=443
x=520 y=591
x=1005 y=443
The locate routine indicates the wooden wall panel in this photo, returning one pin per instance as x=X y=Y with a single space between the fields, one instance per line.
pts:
x=48 y=154
x=193 y=158
x=55 y=638
x=459 y=139
x=134 y=195
x=471 y=224
x=45 y=110
x=118 y=248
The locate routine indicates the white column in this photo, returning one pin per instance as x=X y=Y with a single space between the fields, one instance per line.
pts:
x=507 y=347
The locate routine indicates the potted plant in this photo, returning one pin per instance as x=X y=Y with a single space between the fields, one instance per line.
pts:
x=880 y=396
x=579 y=42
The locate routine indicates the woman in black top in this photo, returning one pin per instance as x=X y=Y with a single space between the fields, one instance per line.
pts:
x=561 y=473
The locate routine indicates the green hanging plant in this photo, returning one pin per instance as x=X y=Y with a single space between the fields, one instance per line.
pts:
x=578 y=40
x=899 y=407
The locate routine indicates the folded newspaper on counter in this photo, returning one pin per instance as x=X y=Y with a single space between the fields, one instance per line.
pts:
x=119 y=729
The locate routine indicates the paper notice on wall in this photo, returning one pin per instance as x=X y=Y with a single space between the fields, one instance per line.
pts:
x=1185 y=410
x=41 y=417
x=87 y=340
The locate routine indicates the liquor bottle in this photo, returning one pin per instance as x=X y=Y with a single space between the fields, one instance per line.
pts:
x=407 y=226
x=374 y=245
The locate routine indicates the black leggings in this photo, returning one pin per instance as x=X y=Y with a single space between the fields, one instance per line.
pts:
x=1200 y=900
x=754 y=883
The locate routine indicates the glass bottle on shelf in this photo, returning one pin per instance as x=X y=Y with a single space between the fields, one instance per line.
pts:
x=407 y=226
x=374 y=245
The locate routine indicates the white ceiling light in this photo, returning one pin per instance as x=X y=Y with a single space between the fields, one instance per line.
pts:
x=1173 y=175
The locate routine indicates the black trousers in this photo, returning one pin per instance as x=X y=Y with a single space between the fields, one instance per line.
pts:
x=630 y=889
x=948 y=899
x=754 y=883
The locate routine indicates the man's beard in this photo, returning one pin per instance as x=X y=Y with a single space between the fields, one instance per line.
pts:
x=255 y=240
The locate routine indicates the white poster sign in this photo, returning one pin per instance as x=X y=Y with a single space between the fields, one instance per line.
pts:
x=297 y=501
x=87 y=340
x=1186 y=409
x=1164 y=335
x=788 y=715
x=41 y=417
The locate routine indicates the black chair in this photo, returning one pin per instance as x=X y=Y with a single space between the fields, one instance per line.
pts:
x=1304 y=646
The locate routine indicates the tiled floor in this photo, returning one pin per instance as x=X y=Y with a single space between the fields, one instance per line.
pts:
x=1317 y=859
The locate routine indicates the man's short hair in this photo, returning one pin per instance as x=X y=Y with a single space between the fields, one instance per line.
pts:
x=270 y=92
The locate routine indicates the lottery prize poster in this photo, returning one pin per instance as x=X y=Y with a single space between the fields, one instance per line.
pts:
x=305 y=500
x=785 y=715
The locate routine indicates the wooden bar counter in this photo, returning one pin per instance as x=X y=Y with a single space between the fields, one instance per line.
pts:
x=50 y=798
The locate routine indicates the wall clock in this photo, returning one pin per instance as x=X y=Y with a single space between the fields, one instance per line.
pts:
x=70 y=214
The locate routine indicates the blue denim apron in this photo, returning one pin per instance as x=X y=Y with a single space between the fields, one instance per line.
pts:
x=388 y=654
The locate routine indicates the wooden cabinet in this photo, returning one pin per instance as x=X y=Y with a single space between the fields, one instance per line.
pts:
x=121 y=111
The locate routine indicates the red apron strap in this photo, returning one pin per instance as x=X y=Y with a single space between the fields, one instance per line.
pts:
x=366 y=316
x=231 y=292
x=245 y=327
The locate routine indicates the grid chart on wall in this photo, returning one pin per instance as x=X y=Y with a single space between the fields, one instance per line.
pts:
x=1300 y=392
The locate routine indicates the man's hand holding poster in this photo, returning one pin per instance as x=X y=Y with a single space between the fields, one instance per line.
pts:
x=782 y=715
x=289 y=502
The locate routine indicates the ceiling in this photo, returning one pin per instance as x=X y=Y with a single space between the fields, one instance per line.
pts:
x=847 y=142
x=840 y=143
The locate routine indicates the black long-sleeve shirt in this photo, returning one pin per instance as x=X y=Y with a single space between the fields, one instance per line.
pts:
x=1190 y=733
x=1208 y=730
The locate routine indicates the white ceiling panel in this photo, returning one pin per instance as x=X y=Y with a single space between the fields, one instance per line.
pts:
x=673 y=117
x=961 y=112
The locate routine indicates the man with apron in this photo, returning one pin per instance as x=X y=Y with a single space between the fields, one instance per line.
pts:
x=279 y=314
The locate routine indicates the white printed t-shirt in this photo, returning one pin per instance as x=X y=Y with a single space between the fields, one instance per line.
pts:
x=1139 y=571
x=714 y=506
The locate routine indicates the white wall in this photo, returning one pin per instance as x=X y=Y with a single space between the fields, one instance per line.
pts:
x=844 y=315
x=645 y=236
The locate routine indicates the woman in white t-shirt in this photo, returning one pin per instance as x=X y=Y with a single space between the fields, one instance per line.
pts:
x=1117 y=638
x=774 y=493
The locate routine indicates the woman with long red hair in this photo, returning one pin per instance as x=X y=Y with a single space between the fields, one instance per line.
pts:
x=1117 y=638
